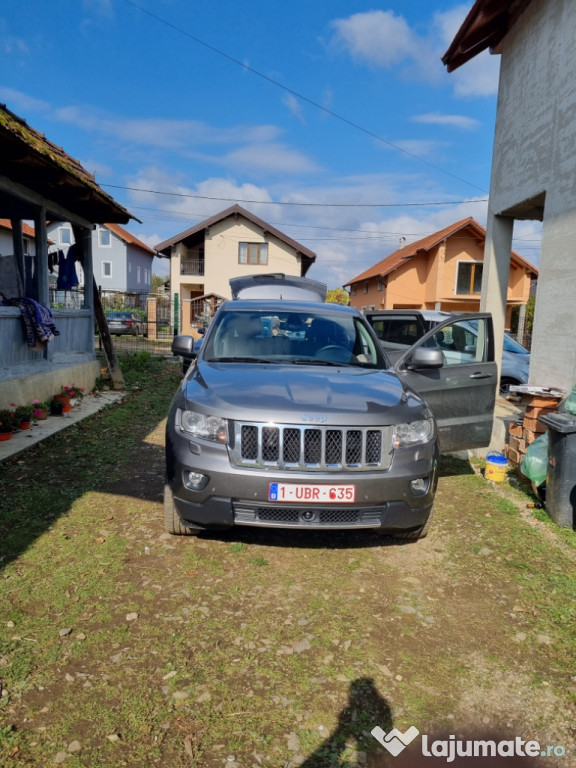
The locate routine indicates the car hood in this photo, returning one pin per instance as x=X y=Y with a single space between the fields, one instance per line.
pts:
x=296 y=394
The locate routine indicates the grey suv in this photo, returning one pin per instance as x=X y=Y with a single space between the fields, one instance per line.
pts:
x=291 y=416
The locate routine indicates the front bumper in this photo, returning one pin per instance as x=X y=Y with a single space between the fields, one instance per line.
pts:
x=239 y=495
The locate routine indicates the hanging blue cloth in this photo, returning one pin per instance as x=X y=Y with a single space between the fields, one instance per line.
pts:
x=67 y=277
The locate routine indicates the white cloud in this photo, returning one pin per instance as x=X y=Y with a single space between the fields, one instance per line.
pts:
x=168 y=134
x=187 y=206
x=14 y=46
x=381 y=39
x=378 y=38
x=294 y=106
x=20 y=102
x=456 y=121
x=478 y=77
x=268 y=158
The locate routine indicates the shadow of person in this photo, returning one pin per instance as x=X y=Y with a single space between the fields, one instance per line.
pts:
x=364 y=709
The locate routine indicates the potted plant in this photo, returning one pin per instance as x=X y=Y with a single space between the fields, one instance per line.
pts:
x=62 y=397
x=8 y=424
x=41 y=409
x=58 y=406
x=23 y=414
x=75 y=393
x=70 y=394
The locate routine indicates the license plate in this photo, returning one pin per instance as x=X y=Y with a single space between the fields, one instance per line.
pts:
x=299 y=493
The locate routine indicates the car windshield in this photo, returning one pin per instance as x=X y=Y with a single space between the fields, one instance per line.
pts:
x=119 y=316
x=511 y=345
x=311 y=338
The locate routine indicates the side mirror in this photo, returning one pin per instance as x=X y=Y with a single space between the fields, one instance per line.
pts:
x=426 y=358
x=183 y=345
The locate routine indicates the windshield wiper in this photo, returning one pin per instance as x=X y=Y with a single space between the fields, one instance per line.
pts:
x=240 y=360
x=322 y=362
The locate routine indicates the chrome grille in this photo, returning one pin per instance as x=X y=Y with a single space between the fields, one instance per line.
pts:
x=317 y=448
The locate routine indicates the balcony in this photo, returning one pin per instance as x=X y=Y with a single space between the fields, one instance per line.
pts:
x=192 y=267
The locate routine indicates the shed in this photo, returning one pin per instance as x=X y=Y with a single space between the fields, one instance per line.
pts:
x=39 y=182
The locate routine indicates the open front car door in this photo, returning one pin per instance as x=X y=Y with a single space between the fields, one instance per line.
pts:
x=452 y=367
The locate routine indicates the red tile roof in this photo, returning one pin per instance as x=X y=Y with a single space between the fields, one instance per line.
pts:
x=129 y=239
x=26 y=228
x=394 y=260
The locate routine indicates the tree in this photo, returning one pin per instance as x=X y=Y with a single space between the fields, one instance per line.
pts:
x=158 y=282
x=338 y=296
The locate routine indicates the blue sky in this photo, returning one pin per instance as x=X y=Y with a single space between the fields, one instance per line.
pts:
x=334 y=121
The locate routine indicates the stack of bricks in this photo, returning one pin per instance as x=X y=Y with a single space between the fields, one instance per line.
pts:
x=524 y=432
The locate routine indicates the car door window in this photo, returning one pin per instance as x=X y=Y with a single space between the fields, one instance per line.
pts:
x=462 y=342
x=397 y=332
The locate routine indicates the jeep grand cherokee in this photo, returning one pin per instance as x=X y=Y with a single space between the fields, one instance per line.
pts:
x=291 y=416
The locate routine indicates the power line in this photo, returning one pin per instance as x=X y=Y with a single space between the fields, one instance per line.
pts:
x=298 y=95
x=369 y=233
x=304 y=205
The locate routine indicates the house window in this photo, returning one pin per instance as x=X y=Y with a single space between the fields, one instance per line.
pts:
x=469 y=277
x=137 y=274
x=366 y=286
x=379 y=283
x=353 y=289
x=104 y=238
x=106 y=269
x=65 y=236
x=252 y=253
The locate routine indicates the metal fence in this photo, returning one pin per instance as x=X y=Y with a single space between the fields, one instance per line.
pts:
x=154 y=331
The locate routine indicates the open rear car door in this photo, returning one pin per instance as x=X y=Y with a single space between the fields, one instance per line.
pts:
x=452 y=367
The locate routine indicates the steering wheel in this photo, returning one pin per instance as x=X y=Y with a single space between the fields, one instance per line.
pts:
x=334 y=353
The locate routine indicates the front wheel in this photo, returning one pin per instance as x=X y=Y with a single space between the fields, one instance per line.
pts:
x=172 y=522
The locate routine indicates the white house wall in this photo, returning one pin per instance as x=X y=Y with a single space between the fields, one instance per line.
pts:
x=535 y=153
x=221 y=254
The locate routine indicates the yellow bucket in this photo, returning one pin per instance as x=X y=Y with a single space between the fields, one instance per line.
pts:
x=496 y=467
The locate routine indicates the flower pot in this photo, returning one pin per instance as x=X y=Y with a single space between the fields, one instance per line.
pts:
x=5 y=436
x=24 y=425
x=64 y=399
x=40 y=414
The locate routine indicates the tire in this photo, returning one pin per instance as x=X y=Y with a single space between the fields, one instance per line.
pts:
x=505 y=383
x=419 y=533
x=172 y=522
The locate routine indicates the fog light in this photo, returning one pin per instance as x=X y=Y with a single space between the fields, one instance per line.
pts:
x=419 y=486
x=194 y=481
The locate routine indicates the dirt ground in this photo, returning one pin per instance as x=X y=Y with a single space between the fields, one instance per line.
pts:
x=270 y=648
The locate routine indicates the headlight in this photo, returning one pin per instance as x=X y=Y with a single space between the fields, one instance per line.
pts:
x=414 y=433
x=202 y=426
